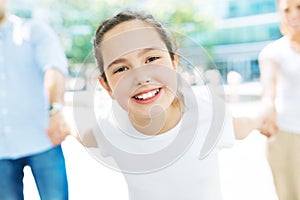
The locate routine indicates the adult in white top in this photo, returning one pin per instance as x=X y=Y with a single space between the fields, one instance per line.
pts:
x=280 y=77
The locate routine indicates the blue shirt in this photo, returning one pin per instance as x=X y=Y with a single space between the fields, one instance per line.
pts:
x=27 y=49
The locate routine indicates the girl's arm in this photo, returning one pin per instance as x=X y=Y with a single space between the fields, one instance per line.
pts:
x=87 y=139
x=243 y=126
x=265 y=122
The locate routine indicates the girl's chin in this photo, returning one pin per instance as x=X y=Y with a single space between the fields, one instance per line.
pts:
x=149 y=113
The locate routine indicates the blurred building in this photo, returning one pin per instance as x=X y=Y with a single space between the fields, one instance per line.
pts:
x=243 y=28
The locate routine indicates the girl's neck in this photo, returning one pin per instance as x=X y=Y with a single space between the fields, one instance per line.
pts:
x=161 y=123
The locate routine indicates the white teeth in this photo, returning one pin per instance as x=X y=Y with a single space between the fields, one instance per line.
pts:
x=147 y=95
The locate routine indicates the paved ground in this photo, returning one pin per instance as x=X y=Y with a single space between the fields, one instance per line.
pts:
x=245 y=174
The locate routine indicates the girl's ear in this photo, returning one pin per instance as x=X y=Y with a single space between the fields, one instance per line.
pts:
x=106 y=87
x=175 y=61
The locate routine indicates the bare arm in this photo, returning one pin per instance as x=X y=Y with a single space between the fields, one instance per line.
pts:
x=54 y=82
x=87 y=138
x=243 y=126
x=82 y=128
x=268 y=71
x=265 y=122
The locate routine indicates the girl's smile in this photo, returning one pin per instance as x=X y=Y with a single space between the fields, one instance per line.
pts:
x=147 y=96
x=138 y=89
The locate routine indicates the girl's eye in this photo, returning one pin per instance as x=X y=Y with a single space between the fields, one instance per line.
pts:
x=286 y=10
x=151 y=59
x=120 y=69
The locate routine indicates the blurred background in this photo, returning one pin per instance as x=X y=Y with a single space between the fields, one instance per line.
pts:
x=232 y=32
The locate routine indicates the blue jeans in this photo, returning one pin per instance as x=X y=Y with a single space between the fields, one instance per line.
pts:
x=48 y=169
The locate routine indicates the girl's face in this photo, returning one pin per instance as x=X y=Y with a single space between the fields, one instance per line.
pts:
x=290 y=14
x=140 y=73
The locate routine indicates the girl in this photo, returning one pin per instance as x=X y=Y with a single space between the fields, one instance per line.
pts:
x=162 y=134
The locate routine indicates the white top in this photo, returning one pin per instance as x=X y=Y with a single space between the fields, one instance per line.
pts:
x=288 y=83
x=168 y=166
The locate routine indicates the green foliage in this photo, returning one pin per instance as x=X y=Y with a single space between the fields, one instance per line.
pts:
x=76 y=21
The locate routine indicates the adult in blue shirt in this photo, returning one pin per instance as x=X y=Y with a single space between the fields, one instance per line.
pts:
x=32 y=69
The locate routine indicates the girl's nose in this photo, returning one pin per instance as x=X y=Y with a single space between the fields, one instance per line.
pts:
x=143 y=82
x=141 y=76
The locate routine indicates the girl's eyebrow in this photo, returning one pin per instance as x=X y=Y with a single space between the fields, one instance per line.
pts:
x=141 y=53
x=119 y=60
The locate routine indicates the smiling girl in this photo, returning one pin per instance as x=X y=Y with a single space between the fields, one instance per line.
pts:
x=158 y=123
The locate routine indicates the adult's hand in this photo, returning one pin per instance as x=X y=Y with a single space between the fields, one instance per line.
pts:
x=58 y=128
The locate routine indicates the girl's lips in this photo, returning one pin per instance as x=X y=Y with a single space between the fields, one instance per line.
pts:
x=147 y=96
